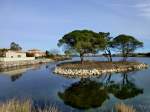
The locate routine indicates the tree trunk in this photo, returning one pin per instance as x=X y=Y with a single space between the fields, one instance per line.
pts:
x=106 y=55
x=110 y=56
x=108 y=79
x=123 y=53
x=82 y=58
x=123 y=82
x=125 y=56
x=124 y=59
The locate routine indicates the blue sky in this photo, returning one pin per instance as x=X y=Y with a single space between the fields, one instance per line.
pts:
x=41 y=23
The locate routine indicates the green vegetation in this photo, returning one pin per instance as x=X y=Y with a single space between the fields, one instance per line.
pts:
x=139 y=54
x=126 y=45
x=15 y=47
x=82 y=42
x=2 y=51
x=54 y=54
x=88 y=42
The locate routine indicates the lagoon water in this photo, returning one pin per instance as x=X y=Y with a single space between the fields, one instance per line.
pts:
x=40 y=84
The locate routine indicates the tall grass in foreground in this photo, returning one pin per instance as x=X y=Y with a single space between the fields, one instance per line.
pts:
x=124 y=108
x=25 y=106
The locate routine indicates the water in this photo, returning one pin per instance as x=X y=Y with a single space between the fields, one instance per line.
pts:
x=43 y=87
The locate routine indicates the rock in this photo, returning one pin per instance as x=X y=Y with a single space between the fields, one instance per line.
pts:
x=84 y=73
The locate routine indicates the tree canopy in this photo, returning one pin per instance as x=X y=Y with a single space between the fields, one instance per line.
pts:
x=89 y=42
x=83 y=42
x=2 y=51
x=14 y=46
x=126 y=44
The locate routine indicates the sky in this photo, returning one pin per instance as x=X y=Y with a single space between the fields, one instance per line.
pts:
x=41 y=23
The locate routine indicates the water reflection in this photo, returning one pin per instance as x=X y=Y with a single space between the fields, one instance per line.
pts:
x=15 y=77
x=16 y=72
x=88 y=93
x=84 y=94
x=125 y=89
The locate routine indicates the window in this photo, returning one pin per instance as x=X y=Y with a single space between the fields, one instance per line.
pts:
x=19 y=56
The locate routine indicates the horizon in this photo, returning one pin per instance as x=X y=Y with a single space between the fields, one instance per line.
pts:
x=37 y=24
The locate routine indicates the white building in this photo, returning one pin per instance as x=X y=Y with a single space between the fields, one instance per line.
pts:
x=15 y=56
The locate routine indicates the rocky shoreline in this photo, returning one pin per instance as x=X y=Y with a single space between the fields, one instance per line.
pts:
x=90 y=72
x=5 y=65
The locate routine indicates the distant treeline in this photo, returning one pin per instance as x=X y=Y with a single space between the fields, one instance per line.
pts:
x=134 y=55
x=119 y=55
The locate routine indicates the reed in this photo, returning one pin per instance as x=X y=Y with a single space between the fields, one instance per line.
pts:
x=24 y=106
x=124 y=108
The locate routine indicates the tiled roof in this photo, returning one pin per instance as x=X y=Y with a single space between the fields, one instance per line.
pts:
x=34 y=50
x=16 y=51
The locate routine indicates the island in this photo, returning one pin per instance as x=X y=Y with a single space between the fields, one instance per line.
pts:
x=84 y=42
x=90 y=68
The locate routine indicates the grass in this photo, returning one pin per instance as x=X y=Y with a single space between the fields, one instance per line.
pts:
x=124 y=108
x=24 y=106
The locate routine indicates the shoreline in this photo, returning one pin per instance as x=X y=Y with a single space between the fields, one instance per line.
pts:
x=84 y=71
x=11 y=64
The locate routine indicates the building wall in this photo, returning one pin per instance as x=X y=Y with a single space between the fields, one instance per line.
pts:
x=37 y=53
x=15 y=56
x=12 y=54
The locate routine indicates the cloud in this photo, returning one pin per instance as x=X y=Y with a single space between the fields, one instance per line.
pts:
x=142 y=5
x=144 y=9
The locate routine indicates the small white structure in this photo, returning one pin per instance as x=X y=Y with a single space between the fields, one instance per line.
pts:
x=15 y=56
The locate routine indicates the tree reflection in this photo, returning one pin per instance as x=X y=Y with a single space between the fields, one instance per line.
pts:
x=84 y=94
x=16 y=72
x=88 y=93
x=125 y=89
x=15 y=77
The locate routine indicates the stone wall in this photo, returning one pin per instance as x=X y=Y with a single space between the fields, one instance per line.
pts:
x=84 y=73
x=10 y=64
x=16 y=59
